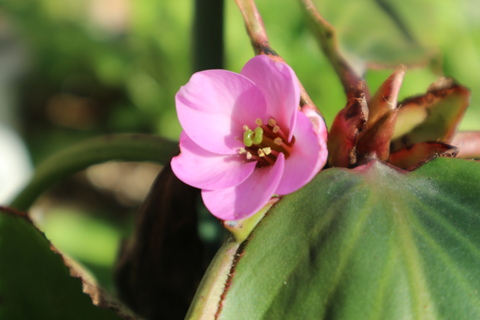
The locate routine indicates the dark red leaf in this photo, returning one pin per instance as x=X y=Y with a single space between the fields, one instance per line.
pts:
x=345 y=128
x=431 y=117
x=385 y=99
x=375 y=143
x=420 y=153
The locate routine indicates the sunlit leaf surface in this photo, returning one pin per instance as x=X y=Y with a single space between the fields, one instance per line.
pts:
x=369 y=243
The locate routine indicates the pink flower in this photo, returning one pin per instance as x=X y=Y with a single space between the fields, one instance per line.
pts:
x=244 y=138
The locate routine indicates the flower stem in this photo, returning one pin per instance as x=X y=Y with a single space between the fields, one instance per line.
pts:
x=258 y=36
x=256 y=29
x=124 y=147
x=326 y=35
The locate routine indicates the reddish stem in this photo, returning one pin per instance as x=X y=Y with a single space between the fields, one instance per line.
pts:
x=258 y=36
x=326 y=35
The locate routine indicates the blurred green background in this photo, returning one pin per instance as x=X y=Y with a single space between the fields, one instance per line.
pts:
x=73 y=69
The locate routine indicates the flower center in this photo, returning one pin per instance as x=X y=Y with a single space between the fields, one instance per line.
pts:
x=265 y=142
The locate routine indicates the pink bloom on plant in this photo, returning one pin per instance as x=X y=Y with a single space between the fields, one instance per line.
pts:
x=244 y=138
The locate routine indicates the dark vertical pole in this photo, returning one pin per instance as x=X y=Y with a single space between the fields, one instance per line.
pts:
x=208 y=35
x=159 y=269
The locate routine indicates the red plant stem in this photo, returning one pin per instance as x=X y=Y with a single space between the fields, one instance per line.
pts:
x=352 y=83
x=258 y=36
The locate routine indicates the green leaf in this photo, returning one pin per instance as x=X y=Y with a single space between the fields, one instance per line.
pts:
x=34 y=281
x=374 y=242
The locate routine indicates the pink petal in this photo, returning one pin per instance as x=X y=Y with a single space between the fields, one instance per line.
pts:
x=279 y=85
x=247 y=198
x=318 y=123
x=213 y=107
x=309 y=154
x=206 y=170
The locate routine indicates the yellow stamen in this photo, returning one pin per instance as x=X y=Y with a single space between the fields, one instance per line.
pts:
x=264 y=143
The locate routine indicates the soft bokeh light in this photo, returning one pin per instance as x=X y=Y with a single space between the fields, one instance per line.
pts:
x=15 y=166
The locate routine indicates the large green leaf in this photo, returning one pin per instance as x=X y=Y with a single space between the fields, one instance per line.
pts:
x=370 y=243
x=34 y=281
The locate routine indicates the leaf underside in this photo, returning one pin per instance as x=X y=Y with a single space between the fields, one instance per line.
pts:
x=370 y=243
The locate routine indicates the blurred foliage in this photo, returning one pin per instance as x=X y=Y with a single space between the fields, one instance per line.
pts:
x=380 y=32
x=99 y=67
x=115 y=65
x=108 y=66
